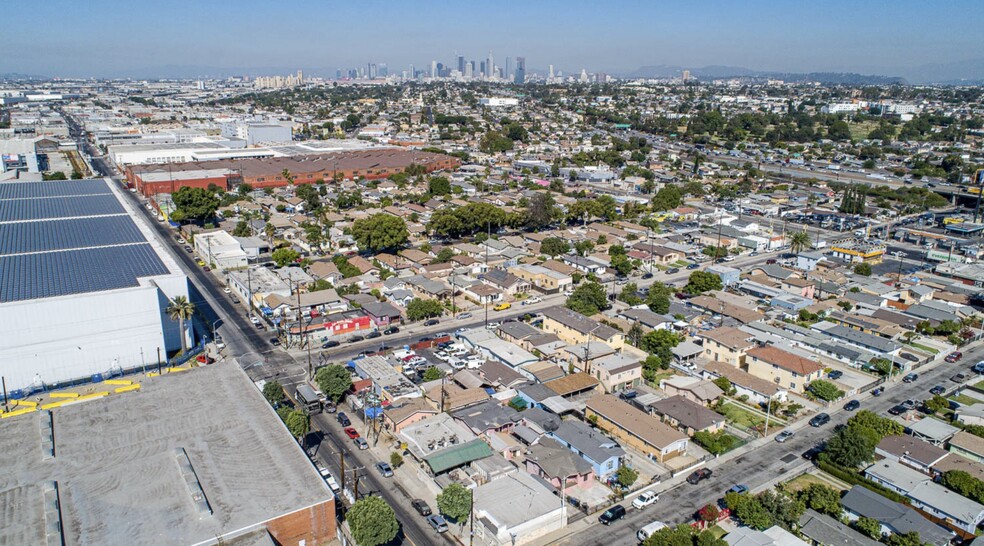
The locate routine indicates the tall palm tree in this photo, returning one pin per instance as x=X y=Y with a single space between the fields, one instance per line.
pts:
x=181 y=310
x=799 y=241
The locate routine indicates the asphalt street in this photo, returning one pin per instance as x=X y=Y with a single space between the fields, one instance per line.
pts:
x=765 y=460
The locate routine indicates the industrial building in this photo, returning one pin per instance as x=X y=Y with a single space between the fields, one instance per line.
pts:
x=83 y=285
x=268 y=172
x=218 y=467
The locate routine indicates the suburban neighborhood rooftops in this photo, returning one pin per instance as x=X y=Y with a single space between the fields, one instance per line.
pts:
x=579 y=323
x=785 y=360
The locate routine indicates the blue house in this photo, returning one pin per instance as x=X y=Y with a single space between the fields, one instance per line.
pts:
x=602 y=453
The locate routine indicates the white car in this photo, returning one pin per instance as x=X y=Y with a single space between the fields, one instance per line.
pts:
x=645 y=499
x=330 y=480
x=493 y=325
x=254 y=319
x=442 y=356
x=535 y=299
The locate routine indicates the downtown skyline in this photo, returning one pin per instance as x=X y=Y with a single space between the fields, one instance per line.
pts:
x=194 y=40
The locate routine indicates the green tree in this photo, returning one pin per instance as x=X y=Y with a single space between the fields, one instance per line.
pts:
x=683 y=535
x=372 y=521
x=298 y=424
x=630 y=294
x=583 y=247
x=825 y=390
x=908 y=539
x=455 y=502
x=799 y=241
x=822 y=498
x=863 y=269
x=725 y=385
x=851 y=447
x=195 y=203
x=495 y=142
x=839 y=130
x=284 y=256
x=748 y=510
x=273 y=391
x=621 y=264
x=554 y=246
x=310 y=195
x=540 y=211
x=660 y=343
x=433 y=374
x=715 y=443
x=242 y=229
x=667 y=198
x=380 y=232
x=869 y=527
x=658 y=298
x=439 y=185
x=244 y=189
x=396 y=459
x=76 y=175
x=878 y=426
x=181 y=310
x=702 y=281
x=444 y=255
x=334 y=381
x=963 y=483
x=420 y=309
x=57 y=175
x=937 y=404
x=626 y=476
x=588 y=299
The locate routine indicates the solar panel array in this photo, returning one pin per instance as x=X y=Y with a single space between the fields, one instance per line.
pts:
x=12 y=210
x=20 y=237
x=61 y=188
x=70 y=237
x=50 y=274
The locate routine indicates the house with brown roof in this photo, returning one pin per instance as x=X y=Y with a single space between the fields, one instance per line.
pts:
x=782 y=367
x=325 y=270
x=573 y=384
x=726 y=344
x=636 y=428
x=719 y=307
x=757 y=389
x=363 y=265
x=406 y=414
x=687 y=415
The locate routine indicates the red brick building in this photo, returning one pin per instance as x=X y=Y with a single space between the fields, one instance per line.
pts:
x=268 y=172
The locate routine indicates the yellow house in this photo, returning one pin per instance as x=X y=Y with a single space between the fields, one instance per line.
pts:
x=636 y=428
x=574 y=328
x=547 y=280
x=783 y=368
x=857 y=251
x=727 y=344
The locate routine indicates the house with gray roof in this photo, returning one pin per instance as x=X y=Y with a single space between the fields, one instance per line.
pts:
x=894 y=517
x=601 y=452
x=826 y=531
x=487 y=417
x=554 y=462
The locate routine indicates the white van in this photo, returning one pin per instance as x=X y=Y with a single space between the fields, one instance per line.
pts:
x=649 y=530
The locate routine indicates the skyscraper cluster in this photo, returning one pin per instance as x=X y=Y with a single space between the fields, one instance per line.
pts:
x=461 y=69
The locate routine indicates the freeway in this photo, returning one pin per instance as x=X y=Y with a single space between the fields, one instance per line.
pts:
x=760 y=463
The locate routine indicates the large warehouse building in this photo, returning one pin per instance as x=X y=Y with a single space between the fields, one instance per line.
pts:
x=268 y=172
x=83 y=286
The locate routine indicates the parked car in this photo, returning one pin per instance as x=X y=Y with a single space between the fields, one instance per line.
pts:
x=421 y=507
x=693 y=266
x=784 y=435
x=614 y=513
x=502 y=306
x=908 y=404
x=356 y=339
x=534 y=299
x=672 y=270
x=647 y=275
x=330 y=480
x=438 y=523
x=954 y=356
x=897 y=410
x=330 y=344
x=351 y=432
x=343 y=419
x=697 y=475
x=645 y=500
x=819 y=420
x=738 y=488
x=959 y=378
x=910 y=378
x=811 y=454
x=385 y=469
x=877 y=391
x=431 y=322
x=835 y=375
x=390 y=330
x=852 y=405
x=979 y=367
x=374 y=334
x=361 y=443
x=937 y=390
x=493 y=325
x=463 y=316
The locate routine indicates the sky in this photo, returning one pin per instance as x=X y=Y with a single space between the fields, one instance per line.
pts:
x=105 y=38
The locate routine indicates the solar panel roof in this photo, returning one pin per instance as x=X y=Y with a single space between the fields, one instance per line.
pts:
x=61 y=207
x=20 y=237
x=50 y=274
x=60 y=188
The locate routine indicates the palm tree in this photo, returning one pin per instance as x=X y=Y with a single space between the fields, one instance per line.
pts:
x=181 y=310
x=799 y=241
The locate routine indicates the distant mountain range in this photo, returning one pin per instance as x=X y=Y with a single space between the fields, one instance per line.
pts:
x=721 y=72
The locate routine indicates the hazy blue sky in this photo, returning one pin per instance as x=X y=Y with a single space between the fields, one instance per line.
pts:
x=108 y=37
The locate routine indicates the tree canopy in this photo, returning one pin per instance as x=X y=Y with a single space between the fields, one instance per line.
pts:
x=372 y=521
x=195 y=203
x=455 y=502
x=380 y=232
x=334 y=381
x=284 y=256
x=419 y=309
x=702 y=281
x=588 y=299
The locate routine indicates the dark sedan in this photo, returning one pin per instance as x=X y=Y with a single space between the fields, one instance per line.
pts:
x=697 y=475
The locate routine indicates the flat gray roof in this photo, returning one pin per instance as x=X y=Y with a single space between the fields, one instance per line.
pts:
x=120 y=481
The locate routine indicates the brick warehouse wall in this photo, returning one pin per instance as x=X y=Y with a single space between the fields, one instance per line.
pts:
x=314 y=525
